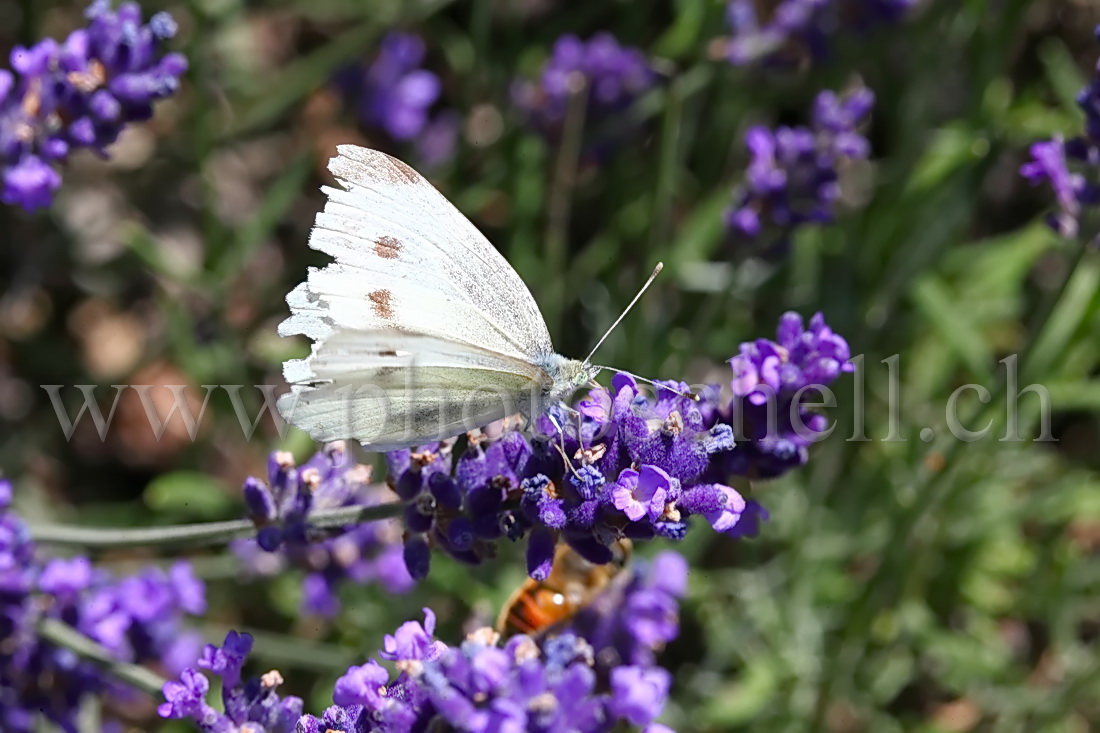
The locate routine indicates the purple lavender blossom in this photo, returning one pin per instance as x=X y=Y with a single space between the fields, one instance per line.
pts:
x=768 y=378
x=80 y=94
x=396 y=91
x=792 y=179
x=395 y=94
x=137 y=619
x=1070 y=166
x=812 y=24
x=611 y=76
x=254 y=705
x=364 y=553
x=564 y=681
x=641 y=466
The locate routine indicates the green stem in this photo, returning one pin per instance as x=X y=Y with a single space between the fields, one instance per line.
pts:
x=65 y=636
x=194 y=535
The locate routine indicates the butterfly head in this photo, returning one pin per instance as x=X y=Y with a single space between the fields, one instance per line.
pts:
x=568 y=375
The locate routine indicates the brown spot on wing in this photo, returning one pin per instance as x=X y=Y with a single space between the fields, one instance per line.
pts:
x=380 y=302
x=387 y=247
x=404 y=174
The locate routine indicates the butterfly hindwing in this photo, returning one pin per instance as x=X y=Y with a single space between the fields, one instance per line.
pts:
x=395 y=390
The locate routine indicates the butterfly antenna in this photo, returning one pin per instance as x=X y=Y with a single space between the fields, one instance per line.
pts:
x=687 y=395
x=656 y=270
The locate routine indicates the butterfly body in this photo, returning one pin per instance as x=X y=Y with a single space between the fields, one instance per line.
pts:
x=421 y=329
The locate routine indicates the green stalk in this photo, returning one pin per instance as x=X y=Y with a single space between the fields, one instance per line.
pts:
x=196 y=535
x=61 y=634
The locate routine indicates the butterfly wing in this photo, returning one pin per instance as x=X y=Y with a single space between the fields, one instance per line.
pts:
x=406 y=258
x=395 y=390
x=420 y=327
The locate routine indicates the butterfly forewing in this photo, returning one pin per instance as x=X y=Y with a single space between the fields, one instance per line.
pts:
x=390 y=221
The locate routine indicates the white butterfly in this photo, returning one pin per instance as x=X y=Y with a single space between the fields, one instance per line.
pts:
x=421 y=329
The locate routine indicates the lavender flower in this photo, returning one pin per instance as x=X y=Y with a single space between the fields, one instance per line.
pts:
x=611 y=76
x=768 y=378
x=80 y=93
x=395 y=95
x=363 y=553
x=137 y=619
x=640 y=467
x=1070 y=166
x=565 y=681
x=792 y=179
x=254 y=705
x=811 y=24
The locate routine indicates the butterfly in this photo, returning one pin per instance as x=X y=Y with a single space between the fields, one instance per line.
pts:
x=421 y=329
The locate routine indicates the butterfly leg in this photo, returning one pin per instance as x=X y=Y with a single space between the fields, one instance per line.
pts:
x=560 y=445
x=576 y=414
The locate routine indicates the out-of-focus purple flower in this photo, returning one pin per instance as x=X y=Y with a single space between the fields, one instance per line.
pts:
x=811 y=24
x=641 y=466
x=437 y=142
x=1048 y=164
x=1071 y=167
x=564 y=681
x=792 y=178
x=395 y=94
x=609 y=76
x=252 y=705
x=137 y=619
x=639 y=694
x=281 y=508
x=80 y=94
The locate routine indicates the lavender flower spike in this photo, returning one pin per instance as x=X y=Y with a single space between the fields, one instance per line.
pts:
x=614 y=77
x=281 y=508
x=395 y=94
x=136 y=619
x=598 y=673
x=1071 y=167
x=642 y=466
x=792 y=179
x=811 y=24
x=80 y=94
x=253 y=705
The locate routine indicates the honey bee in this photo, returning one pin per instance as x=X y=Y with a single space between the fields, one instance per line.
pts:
x=539 y=605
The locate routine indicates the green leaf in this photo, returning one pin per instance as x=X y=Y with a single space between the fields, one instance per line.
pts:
x=743 y=699
x=682 y=37
x=1074 y=395
x=953 y=323
x=1062 y=71
x=949 y=150
x=1074 y=306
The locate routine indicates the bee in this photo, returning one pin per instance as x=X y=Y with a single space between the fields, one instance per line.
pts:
x=573 y=583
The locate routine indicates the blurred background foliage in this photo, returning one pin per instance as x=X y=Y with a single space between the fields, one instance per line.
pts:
x=900 y=584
